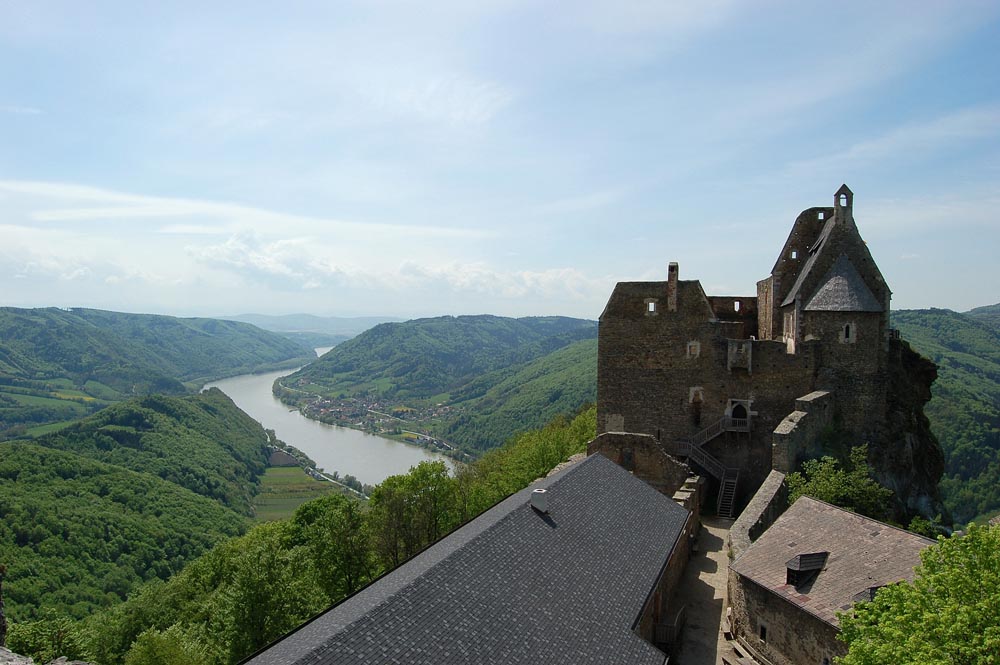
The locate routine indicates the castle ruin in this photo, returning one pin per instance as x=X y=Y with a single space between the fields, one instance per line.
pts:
x=741 y=385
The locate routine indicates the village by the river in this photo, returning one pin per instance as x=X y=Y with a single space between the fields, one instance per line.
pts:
x=368 y=457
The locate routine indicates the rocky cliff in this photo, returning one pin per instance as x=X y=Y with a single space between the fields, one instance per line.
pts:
x=8 y=657
x=906 y=456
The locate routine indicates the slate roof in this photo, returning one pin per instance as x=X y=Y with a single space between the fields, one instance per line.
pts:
x=842 y=289
x=513 y=585
x=863 y=553
x=814 y=251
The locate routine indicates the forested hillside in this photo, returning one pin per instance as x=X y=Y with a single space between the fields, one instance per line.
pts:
x=248 y=591
x=58 y=365
x=965 y=408
x=129 y=494
x=471 y=380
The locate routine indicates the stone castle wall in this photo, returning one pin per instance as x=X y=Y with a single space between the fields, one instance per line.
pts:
x=794 y=439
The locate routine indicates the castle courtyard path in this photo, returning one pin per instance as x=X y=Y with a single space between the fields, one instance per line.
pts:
x=703 y=590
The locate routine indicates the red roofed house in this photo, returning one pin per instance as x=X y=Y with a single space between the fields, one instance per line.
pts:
x=816 y=560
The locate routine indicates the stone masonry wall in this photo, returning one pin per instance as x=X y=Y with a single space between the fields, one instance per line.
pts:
x=644 y=457
x=764 y=508
x=792 y=637
x=795 y=437
x=660 y=608
x=856 y=369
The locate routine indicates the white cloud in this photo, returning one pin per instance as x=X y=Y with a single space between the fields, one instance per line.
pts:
x=225 y=215
x=20 y=110
x=452 y=99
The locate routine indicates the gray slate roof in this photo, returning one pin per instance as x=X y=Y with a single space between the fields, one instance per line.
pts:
x=807 y=267
x=843 y=290
x=864 y=553
x=513 y=585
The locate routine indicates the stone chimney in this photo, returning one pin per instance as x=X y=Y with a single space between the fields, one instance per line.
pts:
x=672 y=270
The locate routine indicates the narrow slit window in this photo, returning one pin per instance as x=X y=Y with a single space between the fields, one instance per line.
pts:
x=736 y=305
x=795 y=254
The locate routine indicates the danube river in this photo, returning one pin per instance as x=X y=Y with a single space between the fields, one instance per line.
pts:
x=367 y=457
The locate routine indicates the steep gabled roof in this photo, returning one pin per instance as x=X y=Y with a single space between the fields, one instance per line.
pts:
x=843 y=290
x=863 y=553
x=514 y=585
x=807 y=267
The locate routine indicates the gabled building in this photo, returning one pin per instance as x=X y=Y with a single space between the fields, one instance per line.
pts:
x=738 y=385
x=577 y=568
x=816 y=560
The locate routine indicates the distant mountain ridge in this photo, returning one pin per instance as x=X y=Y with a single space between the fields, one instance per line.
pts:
x=59 y=364
x=474 y=380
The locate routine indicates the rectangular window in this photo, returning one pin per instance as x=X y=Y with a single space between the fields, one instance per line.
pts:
x=762 y=632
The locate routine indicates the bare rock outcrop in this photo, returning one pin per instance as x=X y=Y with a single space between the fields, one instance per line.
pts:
x=906 y=456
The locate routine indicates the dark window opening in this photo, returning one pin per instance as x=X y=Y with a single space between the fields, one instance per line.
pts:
x=739 y=411
x=763 y=633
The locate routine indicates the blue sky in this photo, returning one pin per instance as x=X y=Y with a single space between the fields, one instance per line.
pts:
x=515 y=158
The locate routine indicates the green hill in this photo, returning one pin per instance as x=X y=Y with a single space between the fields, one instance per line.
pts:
x=58 y=365
x=965 y=408
x=129 y=494
x=472 y=380
x=506 y=402
x=201 y=442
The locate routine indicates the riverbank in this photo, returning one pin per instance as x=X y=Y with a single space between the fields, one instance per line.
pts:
x=373 y=416
x=369 y=458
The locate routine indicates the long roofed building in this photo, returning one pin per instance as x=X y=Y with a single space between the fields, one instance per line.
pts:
x=583 y=579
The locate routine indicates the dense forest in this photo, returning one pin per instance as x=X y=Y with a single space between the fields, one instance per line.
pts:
x=496 y=376
x=58 y=365
x=126 y=495
x=965 y=408
x=247 y=591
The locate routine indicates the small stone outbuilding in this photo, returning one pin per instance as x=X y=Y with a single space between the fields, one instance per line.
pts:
x=816 y=560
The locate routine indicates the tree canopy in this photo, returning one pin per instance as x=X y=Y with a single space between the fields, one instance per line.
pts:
x=850 y=486
x=949 y=614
